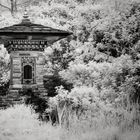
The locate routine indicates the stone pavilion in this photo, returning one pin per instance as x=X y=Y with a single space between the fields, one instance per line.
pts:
x=25 y=42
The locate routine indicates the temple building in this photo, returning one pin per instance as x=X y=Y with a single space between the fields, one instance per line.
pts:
x=25 y=42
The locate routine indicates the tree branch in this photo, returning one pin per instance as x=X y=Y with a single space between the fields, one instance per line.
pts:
x=20 y=4
x=29 y=1
x=5 y=7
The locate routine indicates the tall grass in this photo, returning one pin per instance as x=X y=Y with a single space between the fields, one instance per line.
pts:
x=119 y=124
x=20 y=122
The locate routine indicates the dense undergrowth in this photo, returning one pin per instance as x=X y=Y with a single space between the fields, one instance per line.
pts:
x=20 y=122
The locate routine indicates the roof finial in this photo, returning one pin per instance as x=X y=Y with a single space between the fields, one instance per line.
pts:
x=25 y=14
x=26 y=17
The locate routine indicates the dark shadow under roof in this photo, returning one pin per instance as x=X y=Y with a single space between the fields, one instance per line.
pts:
x=26 y=26
x=31 y=28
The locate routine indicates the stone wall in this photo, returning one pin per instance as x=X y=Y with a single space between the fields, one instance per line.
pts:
x=39 y=68
x=17 y=70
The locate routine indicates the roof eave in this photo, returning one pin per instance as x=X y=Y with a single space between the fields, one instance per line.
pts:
x=36 y=33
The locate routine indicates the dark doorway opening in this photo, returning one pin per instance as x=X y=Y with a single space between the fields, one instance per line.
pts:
x=27 y=72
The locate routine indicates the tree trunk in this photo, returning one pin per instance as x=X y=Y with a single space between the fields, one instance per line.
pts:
x=13 y=7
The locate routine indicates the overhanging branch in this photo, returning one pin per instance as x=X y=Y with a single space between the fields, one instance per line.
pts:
x=26 y=2
x=20 y=4
x=5 y=7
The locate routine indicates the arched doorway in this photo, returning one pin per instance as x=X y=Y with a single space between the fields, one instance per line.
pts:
x=27 y=72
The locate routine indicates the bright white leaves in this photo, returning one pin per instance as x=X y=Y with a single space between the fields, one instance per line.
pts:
x=84 y=96
x=4 y=61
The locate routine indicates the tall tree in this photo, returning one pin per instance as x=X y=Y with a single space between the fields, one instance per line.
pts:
x=12 y=5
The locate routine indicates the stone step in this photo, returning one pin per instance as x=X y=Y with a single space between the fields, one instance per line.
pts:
x=12 y=98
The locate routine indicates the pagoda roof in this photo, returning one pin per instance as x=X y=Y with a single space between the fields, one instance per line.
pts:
x=27 y=29
x=31 y=28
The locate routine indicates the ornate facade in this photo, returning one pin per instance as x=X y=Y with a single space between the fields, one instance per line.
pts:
x=25 y=43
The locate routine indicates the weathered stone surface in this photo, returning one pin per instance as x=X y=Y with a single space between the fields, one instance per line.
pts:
x=17 y=75
x=16 y=81
x=40 y=62
x=39 y=76
x=16 y=61
x=32 y=53
x=39 y=79
x=39 y=66
x=17 y=68
x=19 y=60
x=14 y=54
x=39 y=72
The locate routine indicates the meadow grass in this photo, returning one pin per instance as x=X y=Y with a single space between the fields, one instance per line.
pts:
x=20 y=122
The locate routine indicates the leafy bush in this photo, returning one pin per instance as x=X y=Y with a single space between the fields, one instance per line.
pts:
x=112 y=79
x=4 y=88
x=52 y=81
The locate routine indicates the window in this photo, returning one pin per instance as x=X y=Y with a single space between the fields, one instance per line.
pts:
x=27 y=72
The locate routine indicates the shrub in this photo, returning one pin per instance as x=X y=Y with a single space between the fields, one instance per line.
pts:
x=116 y=80
x=52 y=81
x=4 y=86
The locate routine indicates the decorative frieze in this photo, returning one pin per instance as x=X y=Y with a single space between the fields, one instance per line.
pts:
x=26 y=45
x=28 y=60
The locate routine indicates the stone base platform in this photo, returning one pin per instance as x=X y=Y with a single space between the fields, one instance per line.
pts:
x=16 y=95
